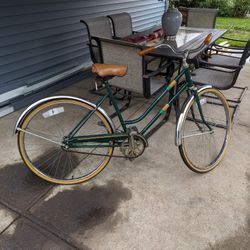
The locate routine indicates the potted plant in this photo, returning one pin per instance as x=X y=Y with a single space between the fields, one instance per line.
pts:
x=171 y=20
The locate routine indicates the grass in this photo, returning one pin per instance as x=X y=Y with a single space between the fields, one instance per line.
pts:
x=238 y=28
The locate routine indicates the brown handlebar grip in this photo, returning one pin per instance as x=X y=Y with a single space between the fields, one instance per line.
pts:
x=146 y=51
x=208 y=39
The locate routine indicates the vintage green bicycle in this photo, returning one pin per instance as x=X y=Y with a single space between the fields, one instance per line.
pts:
x=68 y=140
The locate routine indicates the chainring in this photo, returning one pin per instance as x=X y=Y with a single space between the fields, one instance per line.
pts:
x=134 y=146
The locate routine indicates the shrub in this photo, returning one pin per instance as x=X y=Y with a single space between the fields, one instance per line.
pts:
x=238 y=8
x=241 y=8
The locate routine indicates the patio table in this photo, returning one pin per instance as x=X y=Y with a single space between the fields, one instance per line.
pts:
x=186 y=38
x=140 y=79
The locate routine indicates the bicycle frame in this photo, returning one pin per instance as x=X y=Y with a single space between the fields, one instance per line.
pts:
x=41 y=127
x=103 y=140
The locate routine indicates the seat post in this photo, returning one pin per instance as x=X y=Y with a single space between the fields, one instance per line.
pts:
x=113 y=101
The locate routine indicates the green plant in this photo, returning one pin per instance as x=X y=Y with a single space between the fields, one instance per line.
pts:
x=225 y=7
x=237 y=28
x=172 y=3
x=241 y=8
x=237 y=8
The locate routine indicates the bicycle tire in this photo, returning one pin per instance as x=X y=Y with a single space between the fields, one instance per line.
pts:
x=190 y=148
x=40 y=117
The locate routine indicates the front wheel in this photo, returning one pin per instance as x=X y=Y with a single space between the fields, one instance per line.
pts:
x=204 y=140
x=41 y=136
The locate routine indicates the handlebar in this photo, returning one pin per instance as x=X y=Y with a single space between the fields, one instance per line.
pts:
x=205 y=42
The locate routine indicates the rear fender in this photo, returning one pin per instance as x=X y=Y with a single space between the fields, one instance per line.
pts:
x=34 y=105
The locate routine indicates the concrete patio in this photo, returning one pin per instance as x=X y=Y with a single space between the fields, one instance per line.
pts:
x=154 y=202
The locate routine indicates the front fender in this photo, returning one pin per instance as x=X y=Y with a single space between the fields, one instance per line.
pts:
x=178 y=134
x=34 y=105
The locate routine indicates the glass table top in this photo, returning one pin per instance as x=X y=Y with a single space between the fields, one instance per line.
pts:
x=183 y=37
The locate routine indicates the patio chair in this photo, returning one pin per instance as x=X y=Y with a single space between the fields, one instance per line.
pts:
x=122 y=25
x=101 y=27
x=199 y=17
x=226 y=55
x=144 y=77
x=223 y=76
x=184 y=12
x=98 y=26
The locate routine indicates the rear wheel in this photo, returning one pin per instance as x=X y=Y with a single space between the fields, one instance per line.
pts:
x=203 y=145
x=41 y=136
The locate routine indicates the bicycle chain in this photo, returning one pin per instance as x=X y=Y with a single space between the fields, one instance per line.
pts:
x=116 y=156
x=133 y=129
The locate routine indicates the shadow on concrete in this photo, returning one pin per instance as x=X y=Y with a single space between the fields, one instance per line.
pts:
x=70 y=211
x=25 y=235
x=20 y=187
x=81 y=210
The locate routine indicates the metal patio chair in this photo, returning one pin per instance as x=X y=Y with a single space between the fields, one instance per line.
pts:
x=121 y=24
x=101 y=27
x=226 y=55
x=122 y=27
x=144 y=78
x=199 y=17
x=98 y=26
x=223 y=74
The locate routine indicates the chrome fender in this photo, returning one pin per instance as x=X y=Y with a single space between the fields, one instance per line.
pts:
x=34 y=105
x=179 y=125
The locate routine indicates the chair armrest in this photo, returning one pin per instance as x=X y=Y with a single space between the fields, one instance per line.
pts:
x=229 y=47
x=226 y=66
x=232 y=39
x=220 y=69
x=226 y=52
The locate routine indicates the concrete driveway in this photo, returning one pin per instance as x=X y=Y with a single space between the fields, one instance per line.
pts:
x=154 y=202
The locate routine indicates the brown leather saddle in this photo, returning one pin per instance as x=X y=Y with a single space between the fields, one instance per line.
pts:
x=109 y=70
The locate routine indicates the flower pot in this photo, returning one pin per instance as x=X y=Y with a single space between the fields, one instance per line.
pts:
x=171 y=22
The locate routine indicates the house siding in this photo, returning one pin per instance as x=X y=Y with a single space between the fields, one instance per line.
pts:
x=40 y=39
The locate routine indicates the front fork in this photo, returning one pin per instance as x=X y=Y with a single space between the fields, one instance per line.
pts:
x=194 y=91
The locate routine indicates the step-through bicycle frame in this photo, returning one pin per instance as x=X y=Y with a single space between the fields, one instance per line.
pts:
x=104 y=140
